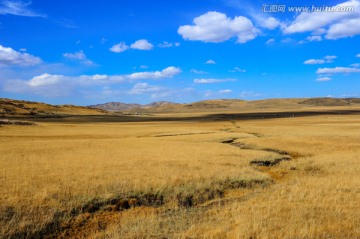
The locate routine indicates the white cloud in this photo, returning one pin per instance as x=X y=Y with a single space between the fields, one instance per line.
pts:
x=210 y=62
x=99 y=77
x=47 y=90
x=336 y=70
x=346 y=28
x=314 y=38
x=142 y=44
x=314 y=61
x=327 y=59
x=272 y=40
x=45 y=79
x=269 y=23
x=156 y=92
x=60 y=85
x=121 y=47
x=237 y=69
x=217 y=27
x=358 y=55
x=356 y=65
x=334 y=24
x=323 y=79
x=211 y=80
x=144 y=88
x=8 y=56
x=18 y=8
x=330 y=59
x=166 y=44
x=165 y=73
x=198 y=72
x=79 y=56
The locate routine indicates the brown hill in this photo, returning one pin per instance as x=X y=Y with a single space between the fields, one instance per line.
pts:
x=215 y=104
x=159 y=104
x=236 y=105
x=115 y=106
x=330 y=101
x=18 y=108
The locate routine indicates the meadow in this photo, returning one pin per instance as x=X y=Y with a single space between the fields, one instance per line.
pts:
x=293 y=177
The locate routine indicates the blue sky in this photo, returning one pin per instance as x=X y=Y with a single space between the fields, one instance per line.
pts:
x=88 y=52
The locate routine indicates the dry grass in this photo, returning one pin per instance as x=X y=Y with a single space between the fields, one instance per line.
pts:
x=184 y=182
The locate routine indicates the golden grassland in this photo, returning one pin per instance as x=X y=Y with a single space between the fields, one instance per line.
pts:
x=272 y=178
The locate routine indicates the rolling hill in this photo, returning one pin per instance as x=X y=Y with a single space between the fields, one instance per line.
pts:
x=20 y=108
x=119 y=106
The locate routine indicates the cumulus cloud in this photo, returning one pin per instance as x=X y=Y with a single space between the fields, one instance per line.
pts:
x=211 y=80
x=337 y=70
x=210 y=62
x=330 y=59
x=165 y=73
x=314 y=38
x=10 y=57
x=327 y=59
x=217 y=27
x=120 y=47
x=142 y=44
x=314 y=61
x=46 y=84
x=18 y=8
x=166 y=44
x=79 y=56
x=144 y=88
x=155 y=92
x=334 y=24
x=269 y=22
x=45 y=79
x=346 y=28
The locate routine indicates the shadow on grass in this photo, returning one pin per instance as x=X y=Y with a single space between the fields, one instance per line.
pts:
x=198 y=118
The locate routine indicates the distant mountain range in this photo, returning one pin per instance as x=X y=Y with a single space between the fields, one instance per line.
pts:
x=226 y=104
x=118 y=106
x=20 y=108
